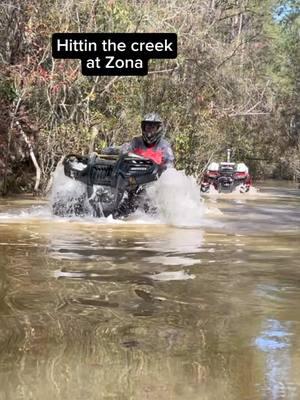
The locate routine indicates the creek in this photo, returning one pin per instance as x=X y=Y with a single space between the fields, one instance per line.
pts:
x=103 y=309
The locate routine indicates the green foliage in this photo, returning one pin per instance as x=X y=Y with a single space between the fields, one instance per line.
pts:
x=7 y=90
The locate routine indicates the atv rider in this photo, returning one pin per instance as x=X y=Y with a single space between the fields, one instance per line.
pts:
x=150 y=145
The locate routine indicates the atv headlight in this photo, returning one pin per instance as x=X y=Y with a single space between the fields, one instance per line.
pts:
x=77 y=166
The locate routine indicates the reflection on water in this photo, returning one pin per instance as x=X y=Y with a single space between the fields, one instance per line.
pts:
x=103 y=310
x=275 y=341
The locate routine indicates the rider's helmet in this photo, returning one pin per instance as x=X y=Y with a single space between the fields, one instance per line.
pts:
x=152 y=128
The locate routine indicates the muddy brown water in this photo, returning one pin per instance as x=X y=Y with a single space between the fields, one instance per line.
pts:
x=98 y=310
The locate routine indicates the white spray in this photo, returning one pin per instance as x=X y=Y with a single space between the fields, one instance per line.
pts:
x=177 y=198
x=66 y=190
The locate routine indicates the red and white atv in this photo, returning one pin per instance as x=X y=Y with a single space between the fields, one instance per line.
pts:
x=226 y=177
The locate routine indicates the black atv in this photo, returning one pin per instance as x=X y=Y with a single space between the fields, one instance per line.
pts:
x=114 y=184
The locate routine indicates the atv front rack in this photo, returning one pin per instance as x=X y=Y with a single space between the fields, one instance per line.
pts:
x=128 y=170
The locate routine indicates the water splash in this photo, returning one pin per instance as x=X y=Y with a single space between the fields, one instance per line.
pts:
x=68 y=196
x=177 y=198
x=175 y=195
